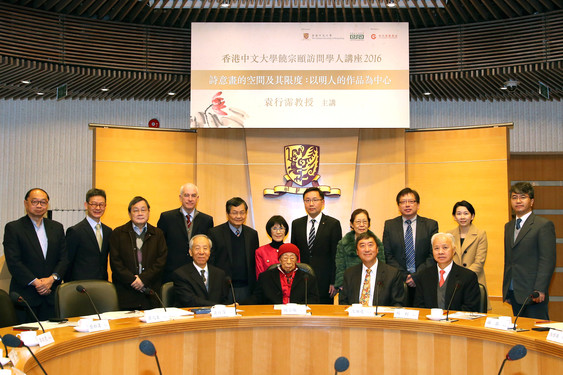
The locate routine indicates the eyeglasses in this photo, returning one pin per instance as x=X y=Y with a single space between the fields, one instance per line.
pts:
x=136 y=210
x=314 y=200
x=36 y=203
x=97 y=205
x=361 y=222
x=407 y=202
x=278 y=229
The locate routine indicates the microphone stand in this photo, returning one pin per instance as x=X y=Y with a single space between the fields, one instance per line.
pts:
x=450 y=304
x=18 y=298
x=533 y=295
x=83 y=290
x=378 y=285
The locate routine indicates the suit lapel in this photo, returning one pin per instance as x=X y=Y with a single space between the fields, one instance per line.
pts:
x=452 y=281
x=379 y=278
x=198 y=279
x=227 y=239
x=356 y=285
x=181 y=221
x=433 y=285
x=524 y=230
x=401 y=234
x=29 y=228
x=322 y=225
x=469 y=238
x=90 y=233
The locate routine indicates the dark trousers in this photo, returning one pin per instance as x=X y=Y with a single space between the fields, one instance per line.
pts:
x=532 y=310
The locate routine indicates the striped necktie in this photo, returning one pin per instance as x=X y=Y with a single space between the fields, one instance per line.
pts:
x=312 y=234
x=409 y=248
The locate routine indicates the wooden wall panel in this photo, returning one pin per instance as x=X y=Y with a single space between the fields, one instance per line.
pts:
x=536 y=167
x=548 y=197
x=559 y=260
x=449 y=166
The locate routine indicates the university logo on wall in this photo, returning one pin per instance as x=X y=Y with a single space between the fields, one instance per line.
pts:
x=302 y=168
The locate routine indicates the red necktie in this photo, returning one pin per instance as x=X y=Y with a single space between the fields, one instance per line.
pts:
x=189 y=220
x=442 y=281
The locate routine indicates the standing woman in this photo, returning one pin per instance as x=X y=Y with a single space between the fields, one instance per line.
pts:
x=267 y=255
x=346 y=255
x=471 y=242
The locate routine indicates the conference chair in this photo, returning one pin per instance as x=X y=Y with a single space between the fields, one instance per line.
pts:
x=302 y=266
x=69 y=302
x=167 y=294
x=7 y=311
x=483 y=299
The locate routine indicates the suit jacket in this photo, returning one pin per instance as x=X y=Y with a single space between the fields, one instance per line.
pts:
x=86 y=261
x=530 y=260
x=222 y=252
x=190 y=291
x=124 y=265
x=394 y=244
x=269 y=291
x=172 y=223
x=25 y=259
x=473 y=253
x=391 y=289
x=466 y=297
x=322 y=255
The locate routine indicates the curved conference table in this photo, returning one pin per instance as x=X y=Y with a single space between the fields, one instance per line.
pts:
x=262 y=341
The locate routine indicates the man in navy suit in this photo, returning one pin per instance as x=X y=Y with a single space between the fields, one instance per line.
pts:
x=199 y=283
x=406 y=239
x=179 y=226
x=87 y=242
x=36 y=256
x=316 y=235
x=529 y=255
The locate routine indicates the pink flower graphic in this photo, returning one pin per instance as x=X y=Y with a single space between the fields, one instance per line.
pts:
x=217 y=104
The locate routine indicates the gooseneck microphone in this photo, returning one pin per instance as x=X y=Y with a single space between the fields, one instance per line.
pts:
x=147 y=348
x=341 y=364
x=17 y=298
x=81 y=289
x=457 y=285
x=526 y=301
x=5 y=347
x=306 y=277
x=15 y=342
x=377 y=286
x=515 y=353
x=150 y=292
x=230 y=281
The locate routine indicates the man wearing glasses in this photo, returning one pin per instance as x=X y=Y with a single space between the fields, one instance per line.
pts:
x=316 y=235
x=88 y=241
x=406 y=240
x=36 y=256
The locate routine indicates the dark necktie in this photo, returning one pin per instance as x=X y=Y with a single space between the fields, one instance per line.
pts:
x=409 y=248
x=518 y=223
x=204 y=279
x=312 y=234
x=188 y=221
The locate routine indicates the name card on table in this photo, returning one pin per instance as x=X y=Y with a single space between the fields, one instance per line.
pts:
x=222 y=311
x=406 y=314
x=555 y=336
x=17 y=372
x=5 y=372
x=157 y=315
x=497 y=323
x=294 y=309
x=359 y=310
x=14 y=357
x=45 y=339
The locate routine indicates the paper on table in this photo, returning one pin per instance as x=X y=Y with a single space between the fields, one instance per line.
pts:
x=47 y=325
x=466 y=315
x=554 y=325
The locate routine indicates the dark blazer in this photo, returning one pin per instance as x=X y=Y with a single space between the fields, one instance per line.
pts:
x=25 y=259
x=394 y=245
x=466 y=298
x=190 y=291
x=530 y=260
x=391 y=289
x=322 y=255
x=172 y=223
x=269 y=291
x=222 y=252
x=86 y=261
x=124 y=265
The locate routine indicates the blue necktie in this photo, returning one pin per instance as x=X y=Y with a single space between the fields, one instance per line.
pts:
x=518 y=222
x=409 y=248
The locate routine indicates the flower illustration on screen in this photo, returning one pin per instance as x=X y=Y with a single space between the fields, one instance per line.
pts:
x=217 y=115
x=217 y=104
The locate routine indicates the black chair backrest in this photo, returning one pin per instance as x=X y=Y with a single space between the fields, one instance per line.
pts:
x=483 y=299
x=7 y=311
x=167 y=293
x=69 y=302
x=302 y=266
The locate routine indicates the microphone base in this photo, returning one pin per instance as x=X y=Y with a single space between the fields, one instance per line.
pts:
x=449 y=320
x=519 y=330
x=379 y=315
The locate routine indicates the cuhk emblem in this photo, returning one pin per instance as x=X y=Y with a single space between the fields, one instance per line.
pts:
x=302 y=163
x=305 y=35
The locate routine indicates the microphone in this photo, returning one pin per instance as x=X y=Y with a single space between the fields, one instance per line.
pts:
x=14 y=342
x=17 y=298
x=378 y=285
x=515 y=353
x=341 y=364
x=147 y=348
x=230 y=281
x=81 y=289
x=150 y=292
x=534 y=294
x=5 y=348
x=306 y=277
x=457 y=285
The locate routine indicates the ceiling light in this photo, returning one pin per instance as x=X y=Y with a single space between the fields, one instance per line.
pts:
x=26 y=82
x=171 y=93
x=40 y=93
x=105 y=89
x=391 y=4
x=225 y=4
x=504 y=88
x=427 y=93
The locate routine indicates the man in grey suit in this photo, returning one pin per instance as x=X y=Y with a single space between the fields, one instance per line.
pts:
x=88 y=241
x=383 y=285
x=406 y=240
x=529 y=255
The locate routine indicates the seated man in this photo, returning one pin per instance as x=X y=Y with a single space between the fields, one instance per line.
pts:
x=286 y=283
x=199 y=283
x=436 y=285
x=372 y=282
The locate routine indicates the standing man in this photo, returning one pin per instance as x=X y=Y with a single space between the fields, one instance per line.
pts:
x=36 y=256
x=316 y=235
x=88 y=241
x=179 y=226
x=406 y=240
x=529 y=255
x=371 y=283
x=137 y=258
x=234 y=247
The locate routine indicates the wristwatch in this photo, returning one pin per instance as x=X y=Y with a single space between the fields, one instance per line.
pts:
x=56 y=277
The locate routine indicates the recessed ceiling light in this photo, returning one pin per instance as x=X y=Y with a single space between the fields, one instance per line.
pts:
x=504 y=88
x=427 y=93
x=225 y=4
x=171 y=93
x=104 y=89
x=391 y=4
x=26 y=82
x=40 y=93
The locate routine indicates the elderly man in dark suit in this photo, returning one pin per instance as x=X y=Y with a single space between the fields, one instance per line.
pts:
x=36 y=256
x=88 y=241
x=406 y=239
x=436 y=285
x=529 y=255
x=372 y=282
x=179 y=226
x=234 y=247
x=317 y=235
x=199 y=283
